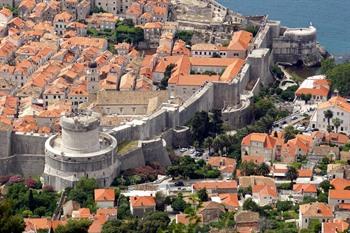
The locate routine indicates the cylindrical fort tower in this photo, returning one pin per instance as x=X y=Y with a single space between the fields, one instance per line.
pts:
x=80 y=151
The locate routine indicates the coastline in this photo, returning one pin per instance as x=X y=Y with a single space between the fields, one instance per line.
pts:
x=332 y=32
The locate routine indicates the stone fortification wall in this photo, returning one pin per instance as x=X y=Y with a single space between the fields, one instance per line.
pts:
x=132 y=159
x=7 y=165
x=238 y=117
x=226 y=94
x=202 y=100
x=259 y=60
x=155 y=151
x=29 y=164
x=22 y=164
x=5 y=143
x=150 y=151
x=28 y=143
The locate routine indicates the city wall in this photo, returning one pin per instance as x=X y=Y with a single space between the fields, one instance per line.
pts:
x=166 y=123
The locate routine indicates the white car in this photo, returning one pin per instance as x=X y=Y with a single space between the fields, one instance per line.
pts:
x=183 y=150
x=301 y=128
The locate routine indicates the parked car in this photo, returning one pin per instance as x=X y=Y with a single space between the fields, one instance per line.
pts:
x=183 y=150
x=179 y=183
x=301 y=128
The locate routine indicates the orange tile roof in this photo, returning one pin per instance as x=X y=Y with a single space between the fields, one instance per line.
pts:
x=180 y=48
x=78 y=90
x=97 y=224
x=318 y=87
x=305 y=173
x=107 y=211
x=344 y=206
x=336 y=101
x=37 y=223
x=339 y=194
x=257 y=159
x=229 y=199
x=104 y=195
x=265 y=190
x=316 y=209
x=186 y=219
x=222 y=162
x=213 y=61
x=84 y=212
x=232 y=70
x=64 y=16
x=335 y=226
x=6 y=12
x=204 y=47
x=305 y=188
x=153 y=25
x=240 y=41
x=268 y=141
x=340 y=183
x=232 y=184
x=142 y=201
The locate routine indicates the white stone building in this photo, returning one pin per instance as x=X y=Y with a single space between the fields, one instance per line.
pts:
x=340 y=109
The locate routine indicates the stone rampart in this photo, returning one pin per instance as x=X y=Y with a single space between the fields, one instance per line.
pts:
x=28 y=143
x=131 y=159
x=155 y=151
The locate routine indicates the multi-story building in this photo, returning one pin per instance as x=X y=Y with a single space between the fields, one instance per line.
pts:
x=102 y=21
x=315 y=210
x=317 y=87
x=61 y=22
x=340 y=109
x=83 y=9
x=141 y=205
x=259 y=144
x=264 y=194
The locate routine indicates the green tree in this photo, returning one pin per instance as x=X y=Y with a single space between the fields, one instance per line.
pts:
x=277 y=71
x=160 y=201
x=185 y=36
x=328 y=114
x=336 y=122
x=178 y=204
x=292 y=173
x=327 y=65
x=306 y=97
x=208 y=142
x=9 y=221
x=83 y=192
x=289 y=133
x=263 y=169
x=251 y=205
x=326 y=186
x=167 y=74
x=154 y=222
x=215 y=122
x=339 y=76
x=199 y=126
x=74 y=226
x=123 y=207
x=203 y=195
x=252 y=29
x=119 y=226
x=284 y=205
x=248 y=168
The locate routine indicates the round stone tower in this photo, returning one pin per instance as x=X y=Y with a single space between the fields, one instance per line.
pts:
x=80 y=151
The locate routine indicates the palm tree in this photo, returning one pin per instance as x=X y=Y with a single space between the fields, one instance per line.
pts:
x=263 y=169
x=336 y=122
x=328 y=114
x=292 y=174
x=208 y=142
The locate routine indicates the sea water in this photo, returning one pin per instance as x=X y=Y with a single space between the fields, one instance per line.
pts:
x=330 y=17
